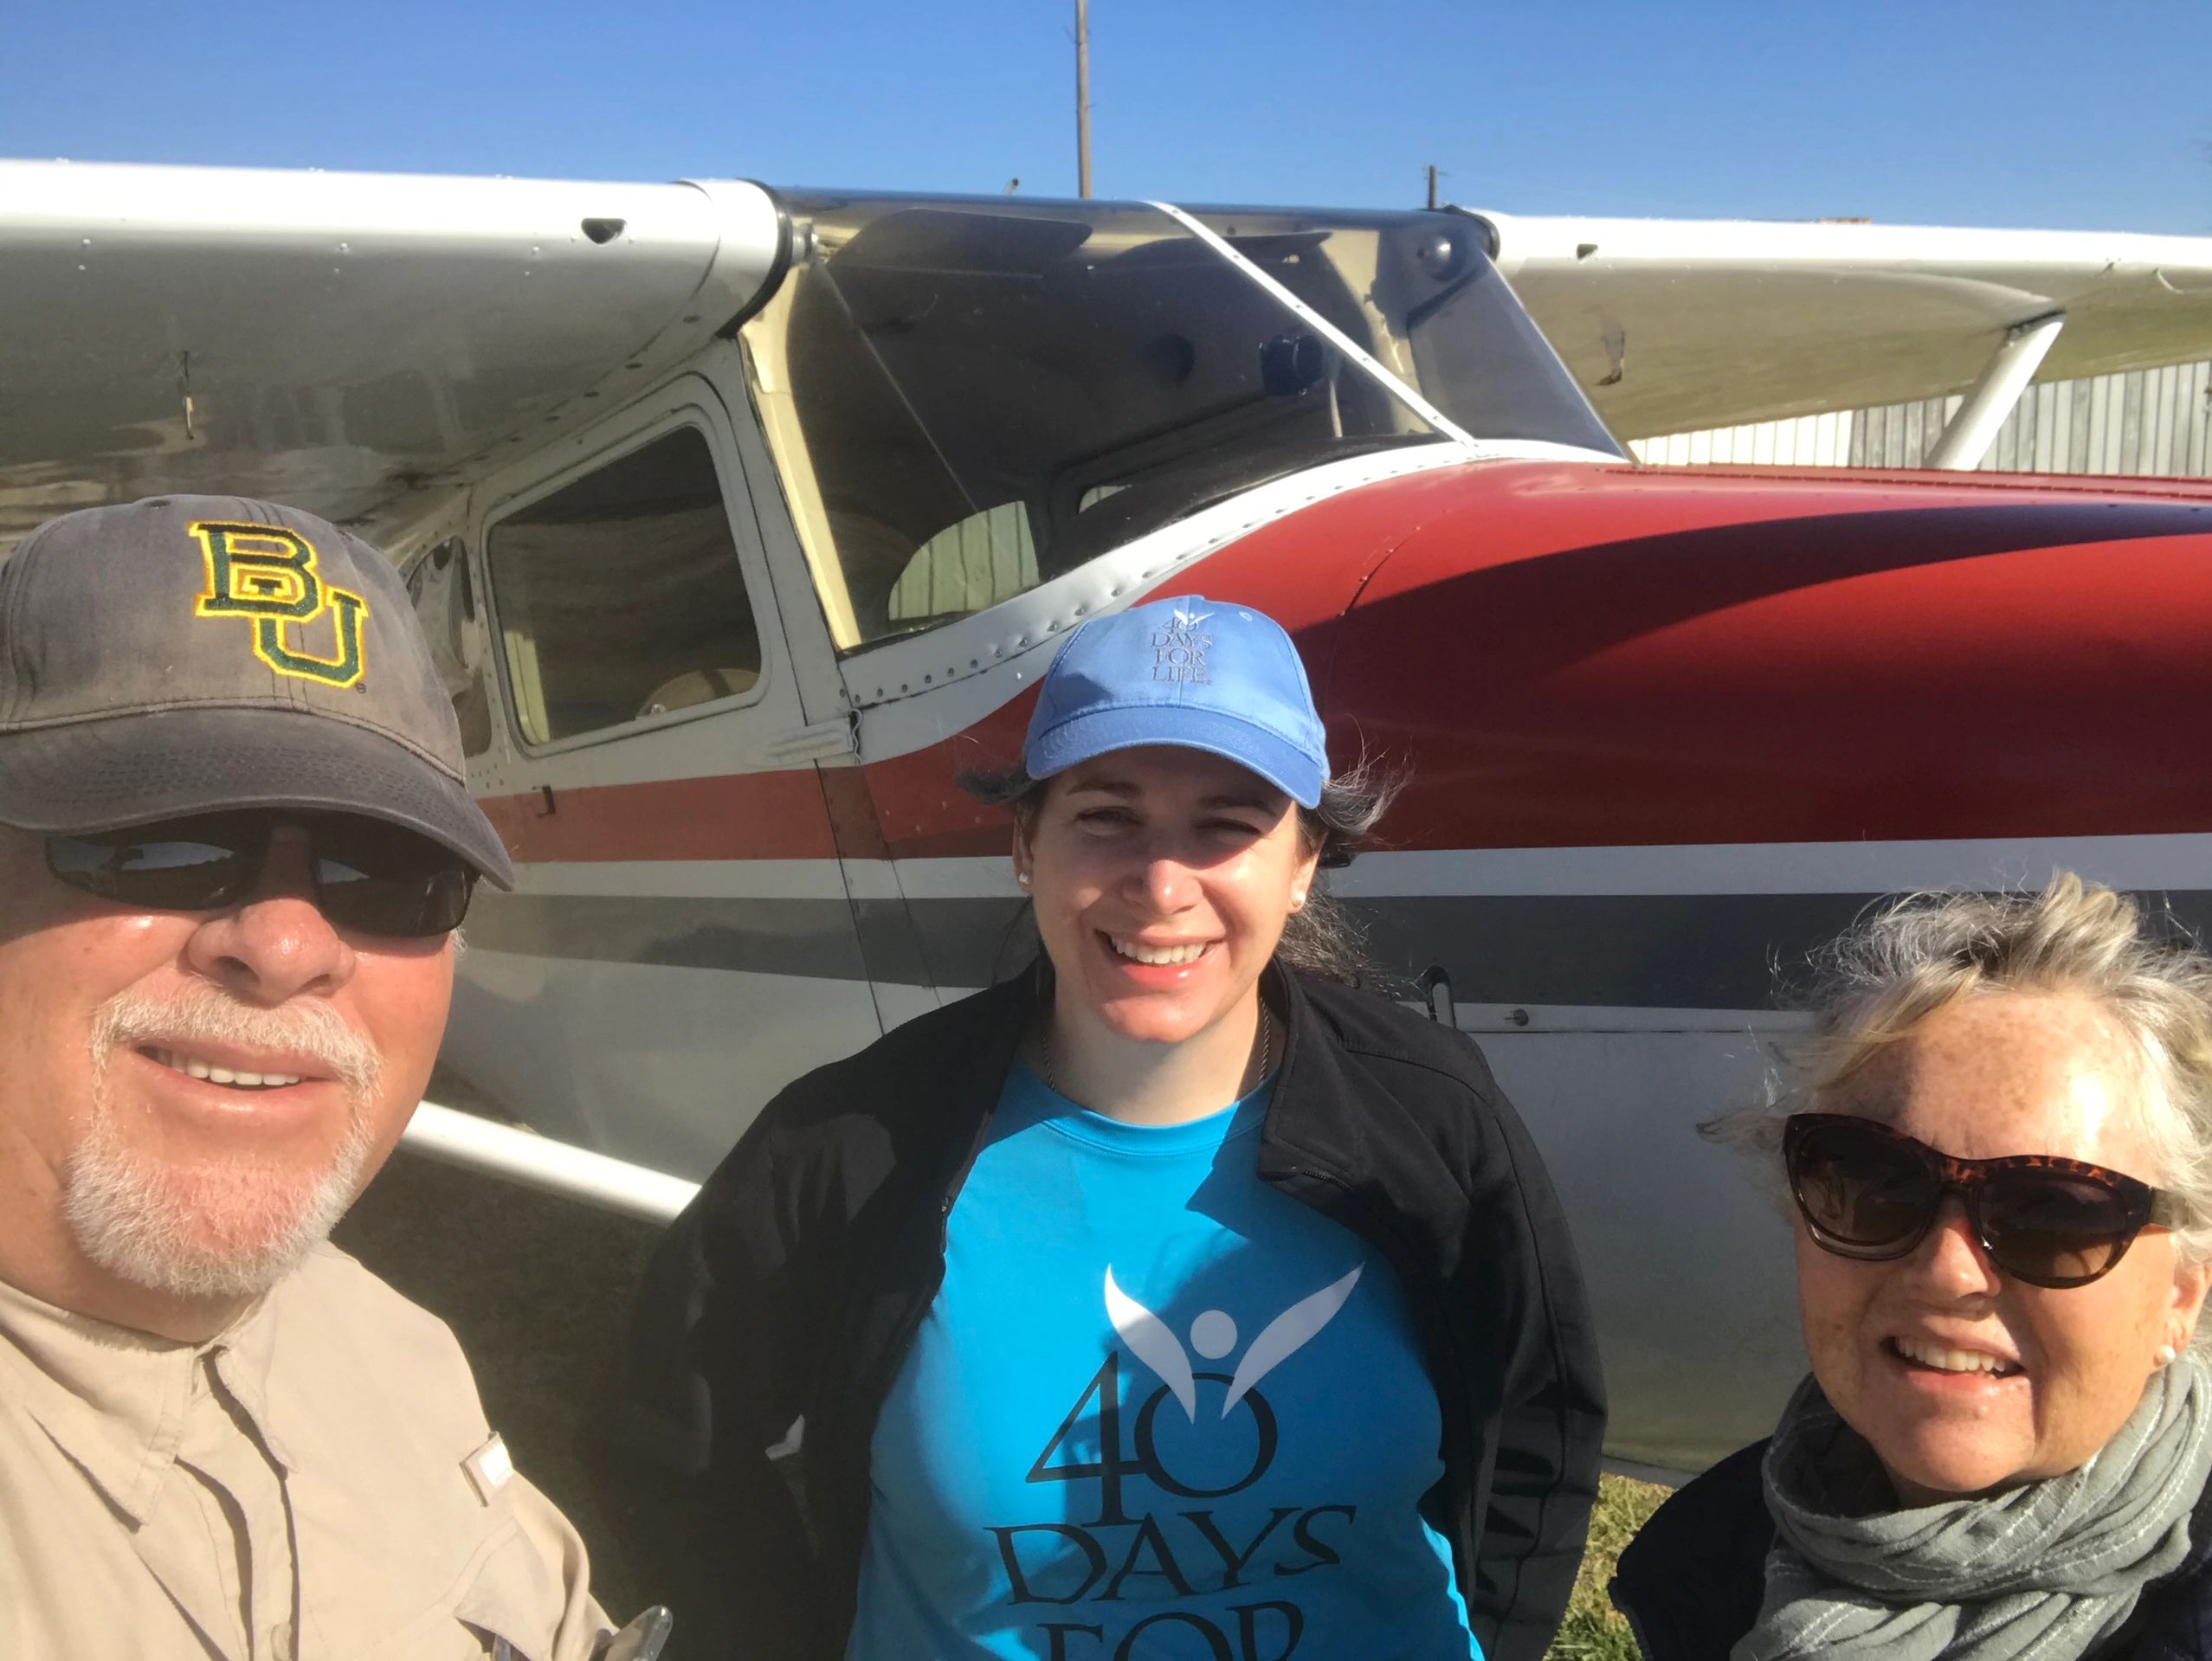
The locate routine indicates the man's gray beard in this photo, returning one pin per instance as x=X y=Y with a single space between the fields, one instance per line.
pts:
x=220 y=1228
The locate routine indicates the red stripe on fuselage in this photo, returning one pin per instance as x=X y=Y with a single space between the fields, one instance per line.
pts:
x=1570 y=655
x=777 y=815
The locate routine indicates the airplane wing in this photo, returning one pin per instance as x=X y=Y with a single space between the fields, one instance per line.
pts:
x=338 y=340
x=1679 y=325
x=332 y=339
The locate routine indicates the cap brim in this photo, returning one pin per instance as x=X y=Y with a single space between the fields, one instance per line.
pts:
x=1099 y=732
x=134 y=770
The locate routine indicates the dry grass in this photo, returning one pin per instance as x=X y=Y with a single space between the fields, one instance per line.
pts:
x=1594 y=1630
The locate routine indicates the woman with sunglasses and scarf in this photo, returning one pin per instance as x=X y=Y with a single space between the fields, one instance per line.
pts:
x=1171 y=1300
x=2000 y=1159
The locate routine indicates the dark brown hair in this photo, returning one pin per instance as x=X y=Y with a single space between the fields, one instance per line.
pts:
x=1320 y=937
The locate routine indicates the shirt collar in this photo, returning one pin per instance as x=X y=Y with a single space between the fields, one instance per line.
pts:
x=245 y=1357
x=115 y=1401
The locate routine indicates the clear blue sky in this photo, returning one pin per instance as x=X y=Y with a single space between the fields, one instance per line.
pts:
x=2064 y=115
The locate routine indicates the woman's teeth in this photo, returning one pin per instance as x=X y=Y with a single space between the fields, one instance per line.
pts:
x=1137 y=952
x=199 y=1069
x=1951 y=1361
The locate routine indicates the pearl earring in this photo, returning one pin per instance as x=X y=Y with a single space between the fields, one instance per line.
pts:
x=1022 y=877
x=2167 y=1354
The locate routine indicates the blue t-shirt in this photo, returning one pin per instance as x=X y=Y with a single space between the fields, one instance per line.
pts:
x=1158 y=1411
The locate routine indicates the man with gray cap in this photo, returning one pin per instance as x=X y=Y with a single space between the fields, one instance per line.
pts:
x=235 y=842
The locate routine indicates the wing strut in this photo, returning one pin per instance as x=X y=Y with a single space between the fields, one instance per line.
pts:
x=480 y=1144
x=1343 y=342
x=1970 y=433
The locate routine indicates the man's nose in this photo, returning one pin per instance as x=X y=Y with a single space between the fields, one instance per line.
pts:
x=275 y=944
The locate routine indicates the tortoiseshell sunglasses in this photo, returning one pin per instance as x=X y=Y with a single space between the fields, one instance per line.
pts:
x=1870 y=1193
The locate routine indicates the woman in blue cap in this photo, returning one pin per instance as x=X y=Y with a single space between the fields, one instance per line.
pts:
x=1175 y=1299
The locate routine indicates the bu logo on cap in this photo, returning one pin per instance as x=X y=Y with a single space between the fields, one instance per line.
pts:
x=265 y=574
x=1179 y=648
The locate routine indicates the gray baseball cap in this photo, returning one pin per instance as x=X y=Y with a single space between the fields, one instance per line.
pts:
x=185 y=655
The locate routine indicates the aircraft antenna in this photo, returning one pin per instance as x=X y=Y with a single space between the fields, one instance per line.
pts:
x=1083 y=97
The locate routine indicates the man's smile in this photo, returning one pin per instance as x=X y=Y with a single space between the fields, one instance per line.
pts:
x=237 y=1077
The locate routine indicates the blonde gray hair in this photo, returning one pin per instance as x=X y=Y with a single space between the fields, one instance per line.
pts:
x=1886 y=974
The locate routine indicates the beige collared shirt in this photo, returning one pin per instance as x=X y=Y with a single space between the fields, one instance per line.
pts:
x=318 y=1483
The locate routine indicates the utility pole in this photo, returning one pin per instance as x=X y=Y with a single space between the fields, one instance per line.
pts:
x=1083 y=97
x=1432 y=184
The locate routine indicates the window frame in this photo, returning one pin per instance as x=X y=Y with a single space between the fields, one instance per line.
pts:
x=469 y=593
x=689 y=406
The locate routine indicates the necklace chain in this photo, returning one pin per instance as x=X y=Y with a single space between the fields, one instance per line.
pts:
x=1267 y=1049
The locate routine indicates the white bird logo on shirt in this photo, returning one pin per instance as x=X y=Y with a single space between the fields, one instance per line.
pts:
x=1213 y=1335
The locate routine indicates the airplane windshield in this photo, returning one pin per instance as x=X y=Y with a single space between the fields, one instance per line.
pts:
x=967 y=397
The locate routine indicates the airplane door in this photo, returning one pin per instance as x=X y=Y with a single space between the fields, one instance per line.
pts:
x=680 y=942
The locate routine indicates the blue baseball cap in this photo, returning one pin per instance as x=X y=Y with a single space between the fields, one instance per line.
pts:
x=1226 y=679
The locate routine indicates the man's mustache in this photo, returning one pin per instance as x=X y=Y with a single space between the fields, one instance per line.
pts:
x=205 y=1015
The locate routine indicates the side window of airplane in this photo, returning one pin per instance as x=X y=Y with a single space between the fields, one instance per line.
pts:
x=619 y=596
x=445 y=605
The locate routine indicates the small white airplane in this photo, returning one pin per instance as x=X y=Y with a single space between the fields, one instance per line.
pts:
x=745 y=518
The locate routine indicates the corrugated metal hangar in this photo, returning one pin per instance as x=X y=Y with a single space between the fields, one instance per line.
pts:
x=2146 y=422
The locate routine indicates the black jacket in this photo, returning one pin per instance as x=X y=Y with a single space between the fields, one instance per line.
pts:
x=1691 y=1581
x=809 y=1259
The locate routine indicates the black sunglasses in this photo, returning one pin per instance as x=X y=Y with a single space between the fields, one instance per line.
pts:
x=368 y=875
x=1870 y=1193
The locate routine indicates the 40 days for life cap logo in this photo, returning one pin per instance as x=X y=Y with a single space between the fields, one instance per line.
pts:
x=265 y=574
x=1179 y=647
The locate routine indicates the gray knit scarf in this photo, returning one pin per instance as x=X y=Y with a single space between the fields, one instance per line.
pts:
x=2042 y=1573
